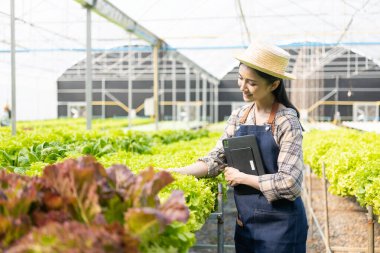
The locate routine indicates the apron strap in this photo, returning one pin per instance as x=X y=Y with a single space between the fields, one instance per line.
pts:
x=246 y=112
x=272 y=115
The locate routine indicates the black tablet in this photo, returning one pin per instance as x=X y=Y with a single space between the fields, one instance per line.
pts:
x=243 y=153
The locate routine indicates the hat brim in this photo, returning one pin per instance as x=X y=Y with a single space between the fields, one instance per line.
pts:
x=248 y=63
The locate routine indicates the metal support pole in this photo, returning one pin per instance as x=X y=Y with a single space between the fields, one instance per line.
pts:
x=174 y=89
x=310 y=203
x=162 y=94
x=204 y=99
x=337 y=93
x=327 y=236
x=130 y=83
x=216 y=103
x=211 y=103
x=356 y=64
x=348 y=63
x=103 y=98
x=304 y=83
x=155 y=82
x=187 y=93
x=13 y=67
x=371 y=235
x=88 y=72
x=220 y=219
x=197 y=95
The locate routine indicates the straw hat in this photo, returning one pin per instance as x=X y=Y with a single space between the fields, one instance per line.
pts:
x=269 y=59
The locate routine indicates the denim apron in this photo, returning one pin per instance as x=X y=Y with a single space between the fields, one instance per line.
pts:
x=264 y=227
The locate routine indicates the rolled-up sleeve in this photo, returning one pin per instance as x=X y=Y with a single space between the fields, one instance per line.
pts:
x=287 y=182
x=216 y=160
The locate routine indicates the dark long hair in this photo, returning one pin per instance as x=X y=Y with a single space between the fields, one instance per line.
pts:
x=280 y=92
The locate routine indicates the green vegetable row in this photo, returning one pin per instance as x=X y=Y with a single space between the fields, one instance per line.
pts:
x=80 y=123
x=352 y=162
x=49 y=145
x=30 y=151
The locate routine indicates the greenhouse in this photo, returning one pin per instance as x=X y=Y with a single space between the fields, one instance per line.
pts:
x=124 y=125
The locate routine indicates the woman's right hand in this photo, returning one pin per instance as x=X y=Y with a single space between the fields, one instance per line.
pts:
x=233 y=176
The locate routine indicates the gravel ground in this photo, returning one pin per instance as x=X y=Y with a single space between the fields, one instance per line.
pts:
x=348 y=224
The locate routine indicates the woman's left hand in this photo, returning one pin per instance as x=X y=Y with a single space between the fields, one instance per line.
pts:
x=233 y=176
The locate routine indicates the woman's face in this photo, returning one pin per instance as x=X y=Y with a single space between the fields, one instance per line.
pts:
x=253 y=86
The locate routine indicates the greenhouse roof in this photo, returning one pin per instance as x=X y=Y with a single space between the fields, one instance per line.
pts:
x=211 y=32
x=51 y=35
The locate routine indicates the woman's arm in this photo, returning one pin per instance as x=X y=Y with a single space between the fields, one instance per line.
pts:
x=197 y=169
x=210 y=165
x=215 y=162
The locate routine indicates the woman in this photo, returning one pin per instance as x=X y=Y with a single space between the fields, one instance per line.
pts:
x=6 y=116
x=272 y=219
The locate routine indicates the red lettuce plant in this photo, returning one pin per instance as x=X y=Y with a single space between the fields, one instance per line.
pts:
x=78 y=206
x=17 y=194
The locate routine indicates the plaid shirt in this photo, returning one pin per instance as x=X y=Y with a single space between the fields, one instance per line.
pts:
x=287 y=182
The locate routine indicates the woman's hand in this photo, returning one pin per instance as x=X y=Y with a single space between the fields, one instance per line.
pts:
x=233 y=176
